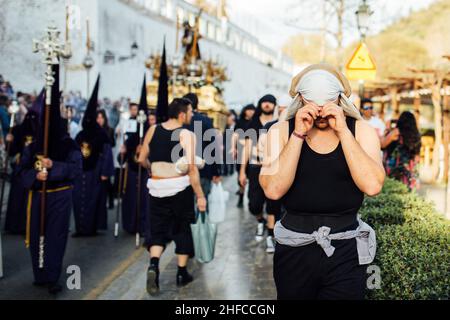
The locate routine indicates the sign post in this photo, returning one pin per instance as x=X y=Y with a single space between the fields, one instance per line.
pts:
x=361 y=67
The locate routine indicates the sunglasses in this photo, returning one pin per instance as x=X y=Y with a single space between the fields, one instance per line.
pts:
x=367 y=108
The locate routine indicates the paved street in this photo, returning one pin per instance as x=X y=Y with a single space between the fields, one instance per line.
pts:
x=113 y=269
x=241 y=269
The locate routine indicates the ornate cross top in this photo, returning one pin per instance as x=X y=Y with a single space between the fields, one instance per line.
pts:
x=49 y=46
x=141 y=118
x=51 y=50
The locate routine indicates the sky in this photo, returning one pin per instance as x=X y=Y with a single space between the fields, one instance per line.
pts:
x=274 y=21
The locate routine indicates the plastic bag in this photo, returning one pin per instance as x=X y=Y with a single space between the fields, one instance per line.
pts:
x=217 y=203
x=204 y=235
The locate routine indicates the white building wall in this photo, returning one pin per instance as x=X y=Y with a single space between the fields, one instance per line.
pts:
x=114 y=26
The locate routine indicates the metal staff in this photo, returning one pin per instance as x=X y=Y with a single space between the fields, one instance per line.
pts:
x=13 y=109
x=119 y=188
x=51 y=49
x=141 y=120
x=119 y=196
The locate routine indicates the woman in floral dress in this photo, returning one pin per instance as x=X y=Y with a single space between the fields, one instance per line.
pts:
x=402 y=151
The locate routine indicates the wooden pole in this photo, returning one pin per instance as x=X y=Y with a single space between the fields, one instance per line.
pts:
x=51 y=51
x=446 y=135
x=417 y=102
x=177 y=42
x=394 y=102
x=141 y=119
x=382 y=110
x=48 y=101
x=119 y=196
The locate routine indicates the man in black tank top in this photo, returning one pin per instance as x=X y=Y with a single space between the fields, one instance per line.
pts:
x=321 y=162
x=251 y=167
x=172 y=193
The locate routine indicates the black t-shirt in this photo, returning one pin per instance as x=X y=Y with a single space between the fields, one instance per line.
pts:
x=269 y=125
x=242 y=124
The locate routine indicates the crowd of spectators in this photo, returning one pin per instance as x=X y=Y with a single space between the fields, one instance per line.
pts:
x=72 y=100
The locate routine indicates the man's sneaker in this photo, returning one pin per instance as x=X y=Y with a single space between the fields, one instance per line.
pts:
x=270 y=245
x=260 y=232
x=153 y=281
x=184 y=279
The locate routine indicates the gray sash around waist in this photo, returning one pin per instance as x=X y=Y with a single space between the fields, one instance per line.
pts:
x=364 y=234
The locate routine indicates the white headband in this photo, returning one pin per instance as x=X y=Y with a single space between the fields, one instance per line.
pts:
x=320 y=87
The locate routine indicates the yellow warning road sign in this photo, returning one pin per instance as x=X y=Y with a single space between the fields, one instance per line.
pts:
x=361 y=65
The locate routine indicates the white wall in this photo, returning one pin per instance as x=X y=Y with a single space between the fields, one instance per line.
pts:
x=114 y=27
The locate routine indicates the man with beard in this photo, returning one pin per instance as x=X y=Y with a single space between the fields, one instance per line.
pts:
x=20 y=137
x=321 y=162
x=251 y=167
x=62 y=165
x=90 y=190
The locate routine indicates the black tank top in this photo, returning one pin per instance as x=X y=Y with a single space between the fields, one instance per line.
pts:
x=163 y=144
x=323 y=185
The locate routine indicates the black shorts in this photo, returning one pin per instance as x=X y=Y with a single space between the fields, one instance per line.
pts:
x=306 y=273
x=256 y=195
x=171 y=219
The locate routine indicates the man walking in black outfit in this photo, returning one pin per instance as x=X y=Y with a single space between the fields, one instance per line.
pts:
x=251 y=168
x=320 y=162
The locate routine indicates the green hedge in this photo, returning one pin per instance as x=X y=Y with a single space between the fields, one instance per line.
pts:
x=413 y=245
x=397 y=209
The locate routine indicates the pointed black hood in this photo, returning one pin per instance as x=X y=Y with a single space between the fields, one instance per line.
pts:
x=90 y=115
x=143 y=105
x=59 y=142
x=162 y=109
x=27 y=132
x=92 y=138
x=31 y=122
x=133 y=139
x=37 y=105
x=143 y=101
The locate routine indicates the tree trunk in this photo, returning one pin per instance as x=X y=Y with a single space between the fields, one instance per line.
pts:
x=394 y=103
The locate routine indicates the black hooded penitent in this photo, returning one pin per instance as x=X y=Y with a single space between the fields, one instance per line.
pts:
x=59 y=142
x=133 y=139
x=162 y=108
x=93 y=137
x=25 y=133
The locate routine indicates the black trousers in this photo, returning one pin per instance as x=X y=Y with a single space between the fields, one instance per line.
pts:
x=306 y=273
x=256 y=195
x=171 y=219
